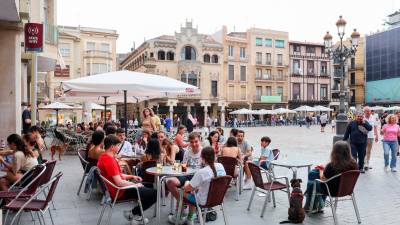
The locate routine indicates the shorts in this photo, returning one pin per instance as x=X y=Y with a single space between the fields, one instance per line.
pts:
x=323 y=124
x=183 y=179
x=191 y=199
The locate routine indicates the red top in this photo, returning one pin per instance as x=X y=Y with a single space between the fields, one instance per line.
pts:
x=109 y=167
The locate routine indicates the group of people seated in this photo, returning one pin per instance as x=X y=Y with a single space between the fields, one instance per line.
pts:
x=21 y=154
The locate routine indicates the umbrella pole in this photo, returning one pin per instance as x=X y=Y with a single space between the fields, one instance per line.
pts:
x=125 y=114
x=105 y=108
x=56 y=117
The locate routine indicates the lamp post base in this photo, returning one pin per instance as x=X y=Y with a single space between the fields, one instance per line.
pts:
x=341 y=125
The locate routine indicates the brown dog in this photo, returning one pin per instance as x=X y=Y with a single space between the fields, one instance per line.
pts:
x=57 y=148
x=296 y=210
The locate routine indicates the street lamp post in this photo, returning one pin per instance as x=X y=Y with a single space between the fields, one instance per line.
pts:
x=340 y=54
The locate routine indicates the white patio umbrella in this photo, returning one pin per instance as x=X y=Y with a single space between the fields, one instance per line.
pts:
x=305 y=108
x=393 y=108
x=283 y=111
x=242 y=111
x=321 y=108
x=57 y=106
x=264 y=112
x=126 y=83
x=378 y=108
x=95 y=106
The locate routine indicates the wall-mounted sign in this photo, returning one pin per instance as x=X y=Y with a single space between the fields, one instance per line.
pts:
x=271 y=99
x=34 y=37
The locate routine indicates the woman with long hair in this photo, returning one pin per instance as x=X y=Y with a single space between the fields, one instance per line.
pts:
x=213 y=140
x=341 y=161
x=179 y=141
x=23 y=159
x=390 y=132
x=148 y=122
x=97 y=147
x=231 y=149
x=170 y=151
x=141 y=144
x=200 y=183
x=153 y=151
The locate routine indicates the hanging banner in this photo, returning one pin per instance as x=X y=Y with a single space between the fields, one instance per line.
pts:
x=34 y=37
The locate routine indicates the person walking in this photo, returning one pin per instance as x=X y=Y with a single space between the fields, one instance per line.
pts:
x=372 y=135
x=357 y=130
x=26 y=119
x=323 y=121
x=390 y=132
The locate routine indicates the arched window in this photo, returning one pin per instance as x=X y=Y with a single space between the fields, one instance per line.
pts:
x=161 y=55
x=170 y=56
x=214 y=59
x=206 y=58
x=188 y=53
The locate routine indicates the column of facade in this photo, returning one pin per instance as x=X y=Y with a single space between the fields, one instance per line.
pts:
x=10 y=86
x=172 y=103
x=222 y=104
x=205 y=104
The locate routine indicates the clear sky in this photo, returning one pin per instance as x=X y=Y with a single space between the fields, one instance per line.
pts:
x=136 y=20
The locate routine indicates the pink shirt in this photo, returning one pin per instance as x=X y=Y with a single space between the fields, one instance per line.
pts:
x=390 y=132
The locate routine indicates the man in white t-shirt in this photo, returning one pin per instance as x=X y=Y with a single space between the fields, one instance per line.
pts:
x=192 y=157
x=372 y=135
x=125 y=149
x=247 y=154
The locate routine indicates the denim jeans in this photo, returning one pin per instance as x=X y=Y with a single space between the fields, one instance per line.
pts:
x=390 y=147
x=358 y=151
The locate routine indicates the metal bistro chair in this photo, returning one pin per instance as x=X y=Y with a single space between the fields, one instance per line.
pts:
x=266 y=187
x=104 y=186
x=82 y=153
x=230 y=164
x=347 y=184
x=216 y=194
x=33 y=204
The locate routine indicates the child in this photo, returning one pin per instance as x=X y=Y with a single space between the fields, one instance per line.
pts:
x=200 y=183
x=266 y=153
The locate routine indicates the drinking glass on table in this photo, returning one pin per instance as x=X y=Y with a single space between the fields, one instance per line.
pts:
x=184 y=167
x=159 y=164
x=177 y=164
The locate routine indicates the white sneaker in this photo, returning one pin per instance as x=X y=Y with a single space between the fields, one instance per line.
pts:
x=394 y=170
x=172 y=219
x=386 y=168
x=248 y=185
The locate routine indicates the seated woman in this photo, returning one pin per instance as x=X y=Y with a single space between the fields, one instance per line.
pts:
x=96 y=148
x=153 y=151
x=169 y=150
x=200 y=183
x=39 y=147
x=24 y=159
x=109 y=168
x=340 y=161
x=141 y=145
x=213 y=141
x=231 y=149
x=179 y=141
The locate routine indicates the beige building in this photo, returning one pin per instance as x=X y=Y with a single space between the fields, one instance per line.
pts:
x=310 y=74
x=85 y=51
x=356 y=77
x=16 y=65
x=225 y=66
x=188 y=56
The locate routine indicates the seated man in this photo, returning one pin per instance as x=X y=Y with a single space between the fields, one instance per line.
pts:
x=247 y=153
x=111 y=171
x=193 y=157
x=125 y=151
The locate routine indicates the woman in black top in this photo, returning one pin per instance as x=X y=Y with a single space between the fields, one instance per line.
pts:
x=341 y=161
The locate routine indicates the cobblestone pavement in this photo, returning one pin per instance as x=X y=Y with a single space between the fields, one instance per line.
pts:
x=377 y=191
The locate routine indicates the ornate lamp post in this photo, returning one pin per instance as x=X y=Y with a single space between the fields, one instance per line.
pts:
x=340 y=54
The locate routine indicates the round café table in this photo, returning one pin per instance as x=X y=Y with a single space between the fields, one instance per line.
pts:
x=165 y=172
x=292 y=165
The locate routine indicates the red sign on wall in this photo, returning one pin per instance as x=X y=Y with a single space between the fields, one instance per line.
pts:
x=34 y=37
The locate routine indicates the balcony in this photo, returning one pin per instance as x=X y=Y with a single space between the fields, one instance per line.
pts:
x=272 y=78
x=279 y=64
x=97 y=54
x=280 y=77
x=50 y=34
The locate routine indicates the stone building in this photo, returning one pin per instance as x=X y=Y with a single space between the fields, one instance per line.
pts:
x=310 y=74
